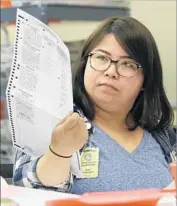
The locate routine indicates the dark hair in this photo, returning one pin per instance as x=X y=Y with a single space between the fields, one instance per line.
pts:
x=151 y=110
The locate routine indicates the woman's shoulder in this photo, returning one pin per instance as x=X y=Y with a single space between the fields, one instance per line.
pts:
x=167 y=133
x=167 y=139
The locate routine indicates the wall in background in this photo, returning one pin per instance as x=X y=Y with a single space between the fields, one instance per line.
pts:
x=160 y=17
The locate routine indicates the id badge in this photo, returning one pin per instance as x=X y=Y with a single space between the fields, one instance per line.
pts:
x=90 y=162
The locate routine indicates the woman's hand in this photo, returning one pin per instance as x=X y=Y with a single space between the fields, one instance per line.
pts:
x=69 y=135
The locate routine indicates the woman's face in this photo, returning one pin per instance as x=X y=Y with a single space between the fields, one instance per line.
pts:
x=109 y=90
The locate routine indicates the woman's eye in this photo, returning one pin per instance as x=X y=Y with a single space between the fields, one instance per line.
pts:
x=129 y=64
x=101 y=57
x=126 y=64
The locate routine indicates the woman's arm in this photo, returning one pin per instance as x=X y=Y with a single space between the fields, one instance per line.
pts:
x=25 y=174
x=53 y=170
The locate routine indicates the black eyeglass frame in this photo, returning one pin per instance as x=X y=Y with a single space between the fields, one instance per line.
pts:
x=114 y=62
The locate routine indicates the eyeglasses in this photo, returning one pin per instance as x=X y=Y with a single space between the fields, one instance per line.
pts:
x=125 y=68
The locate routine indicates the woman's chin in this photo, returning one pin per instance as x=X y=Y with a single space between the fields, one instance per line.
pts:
x=106 y=98
x=108 y=103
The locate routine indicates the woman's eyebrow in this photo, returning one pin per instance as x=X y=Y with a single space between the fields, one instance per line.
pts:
x=125 y=57
x=109 y=54
x=104 y=51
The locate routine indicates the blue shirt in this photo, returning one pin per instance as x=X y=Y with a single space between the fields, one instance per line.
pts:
x=145 y=167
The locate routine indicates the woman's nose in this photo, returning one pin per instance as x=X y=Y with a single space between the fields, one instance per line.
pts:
x=112 y=72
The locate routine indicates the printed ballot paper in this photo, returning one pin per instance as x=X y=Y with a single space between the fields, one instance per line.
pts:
x=39 y=90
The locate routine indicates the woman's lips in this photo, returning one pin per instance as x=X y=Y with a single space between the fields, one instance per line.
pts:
x=109 y=86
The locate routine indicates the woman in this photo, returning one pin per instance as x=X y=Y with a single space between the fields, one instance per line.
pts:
x=118 y=91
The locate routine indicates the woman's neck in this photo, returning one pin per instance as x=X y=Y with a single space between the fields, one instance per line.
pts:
x=114 y=121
